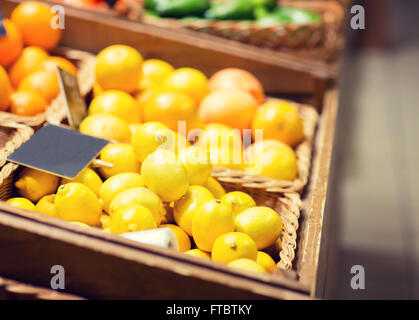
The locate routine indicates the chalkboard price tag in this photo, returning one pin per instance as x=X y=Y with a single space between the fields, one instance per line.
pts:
x=73 y=100
x=3 y=31
x=57 y=150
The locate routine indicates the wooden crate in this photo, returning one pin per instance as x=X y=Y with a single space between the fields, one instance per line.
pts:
x=279 y=72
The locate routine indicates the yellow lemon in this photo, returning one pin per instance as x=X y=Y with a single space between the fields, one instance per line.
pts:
x=210 y=221
x=227 y=157
x=184 y=243
x=154 y=73
x=275 y=161
x=34 y=184
x=119 y=67
x=89 y=178
x=197 y=163
x=118 y=103
x=105 y=221
x=257 y=147
x=164 y=174
x=215 y=188
x=106 y=126
x=232 y=246
x=266 y=261
x=198 y=253
x=21 y=203
x=143 y=196
x=116 y=184
x=144 y=96
x=186 y=207
x=123 y=158
x=189 y=81
x=247 y=264
x=148 y=137
x=46 y=205
x=133 y=127
x=279 y=120
x=262 y=224
x=132 y=217
x=216 y=135
x=76 y=202
x=239 y=201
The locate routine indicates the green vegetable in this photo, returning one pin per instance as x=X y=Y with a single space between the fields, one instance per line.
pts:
x=299 y=16
x=150 y=4
x=273 y=19
x=181 y=8
x=268 y=4
x=231 y=10
x=260 y=11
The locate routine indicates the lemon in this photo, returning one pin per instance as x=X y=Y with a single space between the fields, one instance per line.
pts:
x=189 y=81
x=76 y=202
x=184 y=243
x=143 y=196
x=116 y=184
x=266 y=261
x=154 y=72
x=210 y=221
x=123 y=158
x=215 y=188
x=274 y=161
x=105 y=221
x=232 y=246
x=133 y=127
x=147 y=138
x=216 y=135
x=198 y=253
x=164 y=174
x=106 y=126
x=46 y=205
x=197 y=164
x=186 y=207
x=247 y=264
x=239 y=201
x=132 y=217
x=118 y=103
x=89 y=178
x=21 y=203
x=81 y=224
x=262 y=224
x=119 y=67
x=34 y=184
x=227 y=157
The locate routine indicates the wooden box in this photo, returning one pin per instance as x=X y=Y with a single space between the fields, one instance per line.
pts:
x=101 y=265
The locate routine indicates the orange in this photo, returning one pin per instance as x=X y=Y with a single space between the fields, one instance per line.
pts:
x=279 y=121
x=43 y=82
x=184 y=243
x=5 y=91
x=232 y=107
x=29 y=61
x=34 y=22
x=233 y=78
x=119 y=67
x=171 y=107
x=189 y=81
x=52 y=62
x=27 y=103
x=10 y=45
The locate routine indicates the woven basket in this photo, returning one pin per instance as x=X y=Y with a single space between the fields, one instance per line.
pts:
x=79 y=58
x=303 y=153
x=12 y=136
x=318 y=40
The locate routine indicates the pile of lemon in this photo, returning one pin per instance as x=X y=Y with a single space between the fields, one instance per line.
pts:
x=168 y=190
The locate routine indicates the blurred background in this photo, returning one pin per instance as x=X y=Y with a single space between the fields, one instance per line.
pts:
x=376 y=173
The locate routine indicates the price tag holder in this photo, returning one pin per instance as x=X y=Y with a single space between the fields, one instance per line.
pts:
x=74 y=102
x=3 y=31
x=59 y=151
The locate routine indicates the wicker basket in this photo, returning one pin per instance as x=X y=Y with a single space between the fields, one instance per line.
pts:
x=318 y=41
x=80 y=58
